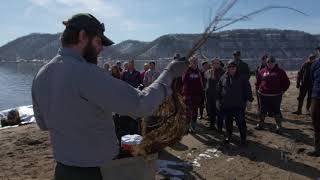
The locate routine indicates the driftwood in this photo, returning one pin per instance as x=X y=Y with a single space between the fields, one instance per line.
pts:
x=171 y=115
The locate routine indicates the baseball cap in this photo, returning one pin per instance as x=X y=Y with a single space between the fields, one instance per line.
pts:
x=88 y=22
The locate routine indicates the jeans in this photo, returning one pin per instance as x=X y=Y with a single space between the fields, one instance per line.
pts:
x=213 y=112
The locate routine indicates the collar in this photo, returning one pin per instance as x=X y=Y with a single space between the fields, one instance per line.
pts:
x=64 y=51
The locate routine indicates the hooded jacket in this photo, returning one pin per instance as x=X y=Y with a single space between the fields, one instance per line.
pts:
x=272 y=81
x=192 y=83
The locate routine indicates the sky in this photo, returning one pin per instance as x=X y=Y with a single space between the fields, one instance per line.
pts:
x=146 y=20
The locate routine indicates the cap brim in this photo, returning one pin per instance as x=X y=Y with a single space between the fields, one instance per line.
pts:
x=106 y=41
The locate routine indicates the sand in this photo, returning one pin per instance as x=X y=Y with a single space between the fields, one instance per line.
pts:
x=26 y=153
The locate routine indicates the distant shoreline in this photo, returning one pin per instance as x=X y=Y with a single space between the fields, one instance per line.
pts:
x=25 y=61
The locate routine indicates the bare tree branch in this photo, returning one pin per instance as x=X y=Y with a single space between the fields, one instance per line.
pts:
x=257 y=12
x=224 y=8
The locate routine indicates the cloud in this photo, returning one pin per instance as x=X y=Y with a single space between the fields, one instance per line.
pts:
x=99 y=8
x=42 y=3
x=103 y=10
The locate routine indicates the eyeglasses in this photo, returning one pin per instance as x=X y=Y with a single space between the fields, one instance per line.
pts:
x=270 y=62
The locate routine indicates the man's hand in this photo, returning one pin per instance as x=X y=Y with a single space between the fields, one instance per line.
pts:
x=177 y=67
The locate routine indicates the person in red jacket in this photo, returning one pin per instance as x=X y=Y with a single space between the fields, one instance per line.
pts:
x=271 y=83
x=192 y=91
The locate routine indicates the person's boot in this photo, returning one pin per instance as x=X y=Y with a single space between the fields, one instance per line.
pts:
x=201 y=112
x=261 y=123
x=316 y=152
x=228 y=138
x=243 y=139
x=308 y=106
x=278 y=125
x=192 y=128
x=298 y=112
x=212 y=127
x=212 y=124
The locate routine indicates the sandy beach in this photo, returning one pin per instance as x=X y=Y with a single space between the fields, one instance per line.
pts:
x=26 y=152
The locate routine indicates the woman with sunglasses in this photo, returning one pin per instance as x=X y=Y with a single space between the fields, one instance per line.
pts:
x=271 y=84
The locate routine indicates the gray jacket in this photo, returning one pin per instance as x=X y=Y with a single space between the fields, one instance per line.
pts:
x=74 y=100
x=150 y=76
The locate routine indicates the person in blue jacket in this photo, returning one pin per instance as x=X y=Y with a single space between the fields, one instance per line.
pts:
x=315 y=105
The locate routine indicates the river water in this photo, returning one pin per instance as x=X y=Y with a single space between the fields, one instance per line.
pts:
x=15 y=84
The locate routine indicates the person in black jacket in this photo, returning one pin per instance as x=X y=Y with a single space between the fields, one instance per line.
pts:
x=304 y=84
x=233 y=92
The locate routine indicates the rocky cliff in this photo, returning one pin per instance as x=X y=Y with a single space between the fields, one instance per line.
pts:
x=252 y=43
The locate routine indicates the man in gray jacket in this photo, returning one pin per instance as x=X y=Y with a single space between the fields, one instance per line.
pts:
x=151 y=74
x=74 y=99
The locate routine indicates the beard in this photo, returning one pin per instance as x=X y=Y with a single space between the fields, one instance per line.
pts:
x=90 y=54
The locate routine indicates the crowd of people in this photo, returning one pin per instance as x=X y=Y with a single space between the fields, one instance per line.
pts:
x=227 y=91
x=131 y=75
x=224 y=91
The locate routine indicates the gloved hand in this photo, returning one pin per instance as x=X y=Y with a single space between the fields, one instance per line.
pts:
x=177 y=67
x=174 y=69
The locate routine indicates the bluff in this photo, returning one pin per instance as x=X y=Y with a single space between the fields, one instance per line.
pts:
x=253 y=43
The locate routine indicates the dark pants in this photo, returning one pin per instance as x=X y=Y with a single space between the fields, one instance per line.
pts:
x=235 y=114
x=192 y=103
x=302 y=94
x=213 y=112
x=202 y=104
x=270 y=105
x=64 y=172
x=315 y=115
